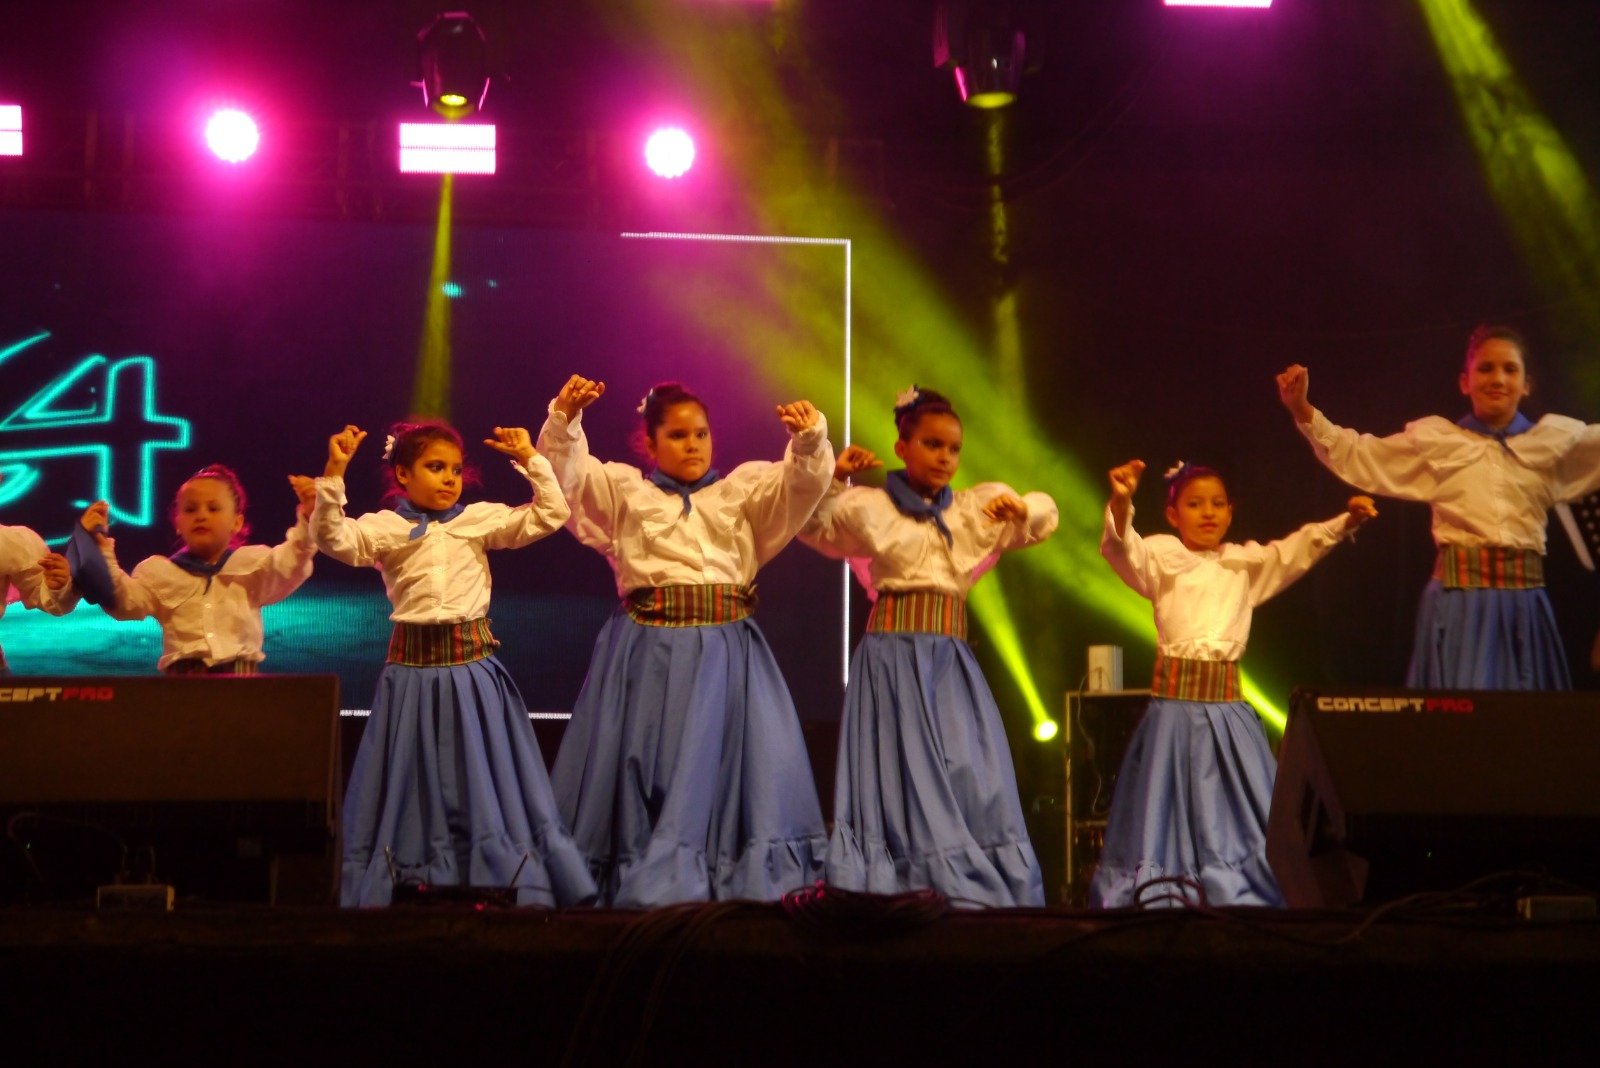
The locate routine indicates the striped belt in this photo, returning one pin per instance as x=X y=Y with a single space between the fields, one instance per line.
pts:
x=918 y=612
x=1196 y=680
x=440 y=644
x=194 y=665
x=1479 y=567
x=690 y=606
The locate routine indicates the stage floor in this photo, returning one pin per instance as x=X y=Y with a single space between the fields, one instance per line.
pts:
x=756 y=984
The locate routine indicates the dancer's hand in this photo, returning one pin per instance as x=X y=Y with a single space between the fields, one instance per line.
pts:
x=341 y=447
x=515 y=442
x=798 y=415
x=57 y=572
x=1359 y=510
x=852 y=461
x=578 y=394
x=1006 y=508
x=1294 y=385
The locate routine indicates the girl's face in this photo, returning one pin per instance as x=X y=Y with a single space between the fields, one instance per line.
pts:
x=1495 y=381
x=433 y=481
x=932 y=452
x=1201 y=514
x=206 y=517
x=681 y=445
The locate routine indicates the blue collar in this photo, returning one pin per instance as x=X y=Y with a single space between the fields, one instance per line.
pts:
x=410 y=511
x=913 y=504
x=683 y=489
x=1520 y=424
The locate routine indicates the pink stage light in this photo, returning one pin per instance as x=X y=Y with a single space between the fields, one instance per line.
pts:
x=1219 y=3
x=446 y=148
x=10 y=129
x=669 y=152
x=232 y=135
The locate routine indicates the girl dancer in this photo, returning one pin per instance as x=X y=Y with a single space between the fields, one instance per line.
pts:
x=926 y=794
x=1192 y=796
x=1485 y=622
x=207 y=596
x=448 y=787
x=683 y=773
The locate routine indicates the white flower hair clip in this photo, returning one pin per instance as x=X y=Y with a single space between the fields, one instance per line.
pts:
x=644 y=401
x=1175 y=470
x=908 y=396
x=388 y=446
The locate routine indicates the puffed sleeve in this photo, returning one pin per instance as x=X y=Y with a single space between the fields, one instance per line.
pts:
x=1040 y=524
x=1394 y=466
x=136 y=596
x=1273 y=567
x=589 y=487
x=783 y=496
x=543 y=515
x=21 y=549
x=285 y=567
x=336 y=534
x=1128 y=556
x=836 y=529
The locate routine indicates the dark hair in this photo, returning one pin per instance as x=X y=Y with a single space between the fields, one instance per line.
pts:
x=1485 y=332
x=1187 y=473
x=923 y=402
x=224 y=475
x=411 y=439
x=662 y=395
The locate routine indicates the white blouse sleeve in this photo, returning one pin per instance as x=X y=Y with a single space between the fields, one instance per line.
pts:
x=21 y=549
x=1128 y=556
x=527 y=523
x=136 y=594
x=783 y=496
x=590 y=487
x=285 y=567
x=1394 y=466
x=1040 y=524
x=834 y=529
x=1275 y=566
x=336 y=534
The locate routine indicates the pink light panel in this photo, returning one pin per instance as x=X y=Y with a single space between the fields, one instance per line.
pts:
x=446 y=148
x=1219 y=3
x=10 y=129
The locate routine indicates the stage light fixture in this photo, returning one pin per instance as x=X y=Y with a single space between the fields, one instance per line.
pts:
x=447 y=148
x=453 y=65
x=232 y=136
x=669 y=152
x=982 y=42
x=10 y=129
x=1219 y=3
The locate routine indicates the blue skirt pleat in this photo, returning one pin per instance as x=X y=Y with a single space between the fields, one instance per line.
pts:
x=1487 y=639
x=926 y=795
x=683 y=773
x=450 y=780
x=1191 y=802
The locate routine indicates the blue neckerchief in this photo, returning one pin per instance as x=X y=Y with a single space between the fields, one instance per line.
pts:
x=195 y=566
x=410 y=511
x=1520 y=424
x=912 y=503
x=90 y=575
x=683 y=489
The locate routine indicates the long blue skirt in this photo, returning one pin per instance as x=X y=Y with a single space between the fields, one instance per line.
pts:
x=1190 y=803
x=1487 y=639
x=449 y=789
x=926 y=795
x=683 y=773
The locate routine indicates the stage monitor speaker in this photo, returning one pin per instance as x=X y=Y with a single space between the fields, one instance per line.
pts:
x=227 y=788
x=1381 y=793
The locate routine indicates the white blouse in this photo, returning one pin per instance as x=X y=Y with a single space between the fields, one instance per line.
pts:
x=735 y=525
x=1481 y=492
x=21 y=577
x=889 y=550
x=442 y=576
x=217 y=621
x=1203 y=601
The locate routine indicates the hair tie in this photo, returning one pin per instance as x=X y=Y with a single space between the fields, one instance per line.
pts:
x=388 y=446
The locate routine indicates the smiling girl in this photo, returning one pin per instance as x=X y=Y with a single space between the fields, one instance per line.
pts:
x=207 y=596
x=1491 y=477
x=449 y=787
x=683 y=772
x=1189 y=813
x=926 y=795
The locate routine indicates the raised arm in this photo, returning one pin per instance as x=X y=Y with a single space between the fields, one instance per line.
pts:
x=587 y=484
x=1278 y=564
x=1120 y=544
x=543 y=515
x=786 y=494
x=331 y=530
x=1394 y=466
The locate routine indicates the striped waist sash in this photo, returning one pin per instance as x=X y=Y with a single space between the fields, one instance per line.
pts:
x=194 y=665
x=690 y=606
x=918 y=612
x=440 y=644
x=1479 y=567
x=1196 y=680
